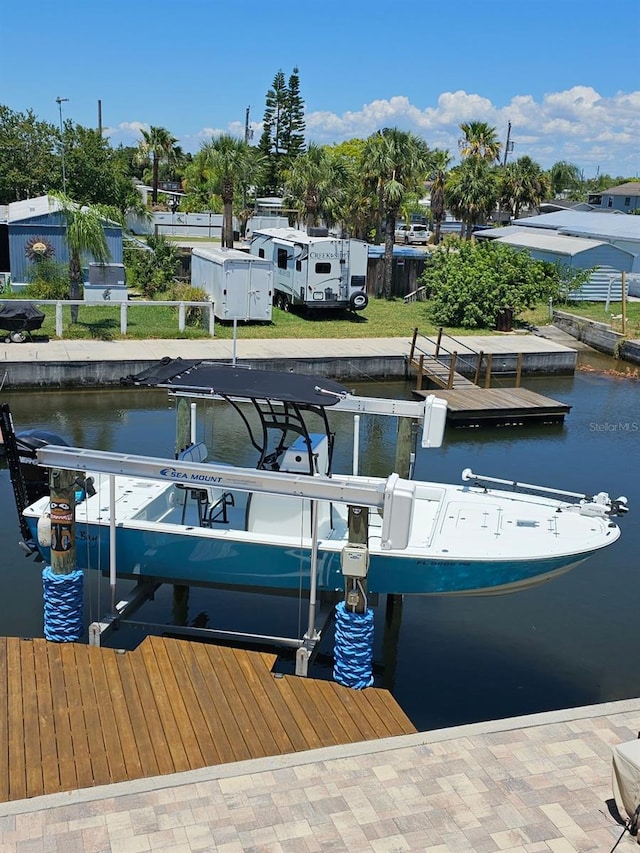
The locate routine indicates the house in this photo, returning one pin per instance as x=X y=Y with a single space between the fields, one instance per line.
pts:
x=624 y=197
x=25 y=225
x=585 y=251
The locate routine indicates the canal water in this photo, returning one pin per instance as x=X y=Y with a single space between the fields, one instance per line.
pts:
x=447 y=661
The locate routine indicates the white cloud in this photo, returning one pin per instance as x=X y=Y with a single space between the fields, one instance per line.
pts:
x=576 y=124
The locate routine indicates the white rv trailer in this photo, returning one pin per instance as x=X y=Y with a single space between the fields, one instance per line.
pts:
x=239 y=284
x=314 y=270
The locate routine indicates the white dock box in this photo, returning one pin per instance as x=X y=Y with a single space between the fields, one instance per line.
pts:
x=240 y=285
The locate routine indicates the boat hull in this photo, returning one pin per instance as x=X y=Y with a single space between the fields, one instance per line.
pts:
x=190 y=558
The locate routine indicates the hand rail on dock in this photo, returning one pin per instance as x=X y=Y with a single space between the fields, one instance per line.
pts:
x=437 y=374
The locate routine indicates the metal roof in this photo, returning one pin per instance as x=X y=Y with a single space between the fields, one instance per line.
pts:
x=504 y=231
x=399 y=252
x=28 y=208
x=606 y=226
x=559 y=244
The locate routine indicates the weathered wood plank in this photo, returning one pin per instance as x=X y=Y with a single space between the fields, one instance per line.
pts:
x=260 y=686
x=61 y=712
x=278 y=709
x=391 y=717
x=79 y=734
x=192 y=753
x=316 y=711
x=15 y=719
x=498 y=403
x=89 y=700
x=244 y=715
x=163 y=708
x=47 y=727
x=107 y=709
x=294 y=701
x=122 y=713
x=4 y=723
x=221 y=710
x=182 y=662
x=32 y=752
x=148 y=735
x=213 y=712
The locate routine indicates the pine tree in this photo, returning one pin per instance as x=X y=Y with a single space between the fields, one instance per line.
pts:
x=282 y=137
x=295 y=125
x=271 y=141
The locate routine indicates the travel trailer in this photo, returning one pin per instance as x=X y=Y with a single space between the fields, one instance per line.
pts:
x=240 y=285
x=313 y=269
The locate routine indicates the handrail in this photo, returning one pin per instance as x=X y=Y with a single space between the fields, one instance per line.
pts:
x=456 y=357
x=181 y=304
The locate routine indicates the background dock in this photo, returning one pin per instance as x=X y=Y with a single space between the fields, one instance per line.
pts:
x=473 y=406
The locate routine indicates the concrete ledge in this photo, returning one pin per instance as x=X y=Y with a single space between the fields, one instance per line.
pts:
x=74 y=373
x=600 y=336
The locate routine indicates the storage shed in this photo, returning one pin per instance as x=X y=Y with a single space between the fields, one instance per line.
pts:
x=240 y=285
x=41 y=220
x=606 y=260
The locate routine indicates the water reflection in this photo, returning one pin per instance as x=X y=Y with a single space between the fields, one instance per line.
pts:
x=449 y=660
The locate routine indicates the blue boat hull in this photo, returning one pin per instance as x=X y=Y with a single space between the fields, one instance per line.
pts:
x=228 y=562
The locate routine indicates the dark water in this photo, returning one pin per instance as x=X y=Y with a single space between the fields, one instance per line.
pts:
x=448 y=661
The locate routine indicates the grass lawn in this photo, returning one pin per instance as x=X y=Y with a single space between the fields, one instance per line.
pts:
x=381 y=319
x=593 y=311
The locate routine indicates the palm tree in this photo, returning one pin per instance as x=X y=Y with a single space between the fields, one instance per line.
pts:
x=315 y=184
x=396 y=162
x=480 y=140
x=563 y=176
x=471 y=192
x=441 y=163
x=522 y=184
x=232 y=164
x=84 y=235
x=157 y=145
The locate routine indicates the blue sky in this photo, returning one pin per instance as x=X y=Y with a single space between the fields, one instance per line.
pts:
x=565 y=73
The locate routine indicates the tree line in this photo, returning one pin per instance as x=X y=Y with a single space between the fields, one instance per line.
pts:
x=363 y=187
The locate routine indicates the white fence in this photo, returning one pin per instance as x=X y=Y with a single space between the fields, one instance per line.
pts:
x=124 y=309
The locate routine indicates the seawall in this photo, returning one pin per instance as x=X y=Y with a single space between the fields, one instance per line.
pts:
x=600 y=336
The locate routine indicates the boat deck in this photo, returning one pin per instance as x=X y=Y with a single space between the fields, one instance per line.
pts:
x=74 y=716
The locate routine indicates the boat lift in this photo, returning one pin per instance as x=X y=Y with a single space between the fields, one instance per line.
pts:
x=393 y=496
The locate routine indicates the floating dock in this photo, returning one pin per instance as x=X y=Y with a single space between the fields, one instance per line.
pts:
x=475 y=406
x=74 y=716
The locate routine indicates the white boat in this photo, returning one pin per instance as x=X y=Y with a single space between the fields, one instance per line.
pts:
x=191 y=521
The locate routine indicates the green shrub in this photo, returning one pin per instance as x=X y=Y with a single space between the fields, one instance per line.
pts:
x=183 y=292
x=151 y=272
x=470 y=284
x=48 y=279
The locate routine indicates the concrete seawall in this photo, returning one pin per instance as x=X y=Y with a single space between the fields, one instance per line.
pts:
x=95 y=364
x=600 y=336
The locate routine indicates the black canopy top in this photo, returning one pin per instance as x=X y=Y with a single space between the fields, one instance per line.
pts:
x=242 y=382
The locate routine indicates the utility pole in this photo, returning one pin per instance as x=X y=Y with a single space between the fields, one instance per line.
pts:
x=247 y=134
x=100 y=117
x=59 y=102
x=509 y=146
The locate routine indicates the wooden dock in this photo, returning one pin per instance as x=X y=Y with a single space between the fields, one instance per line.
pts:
x=74 y=716
x=507 y=406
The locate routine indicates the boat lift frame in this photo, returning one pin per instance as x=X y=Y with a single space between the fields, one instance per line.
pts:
x=392 y=495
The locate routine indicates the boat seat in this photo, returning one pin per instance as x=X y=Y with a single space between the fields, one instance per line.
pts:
x=279 y=513
x=197 y=452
